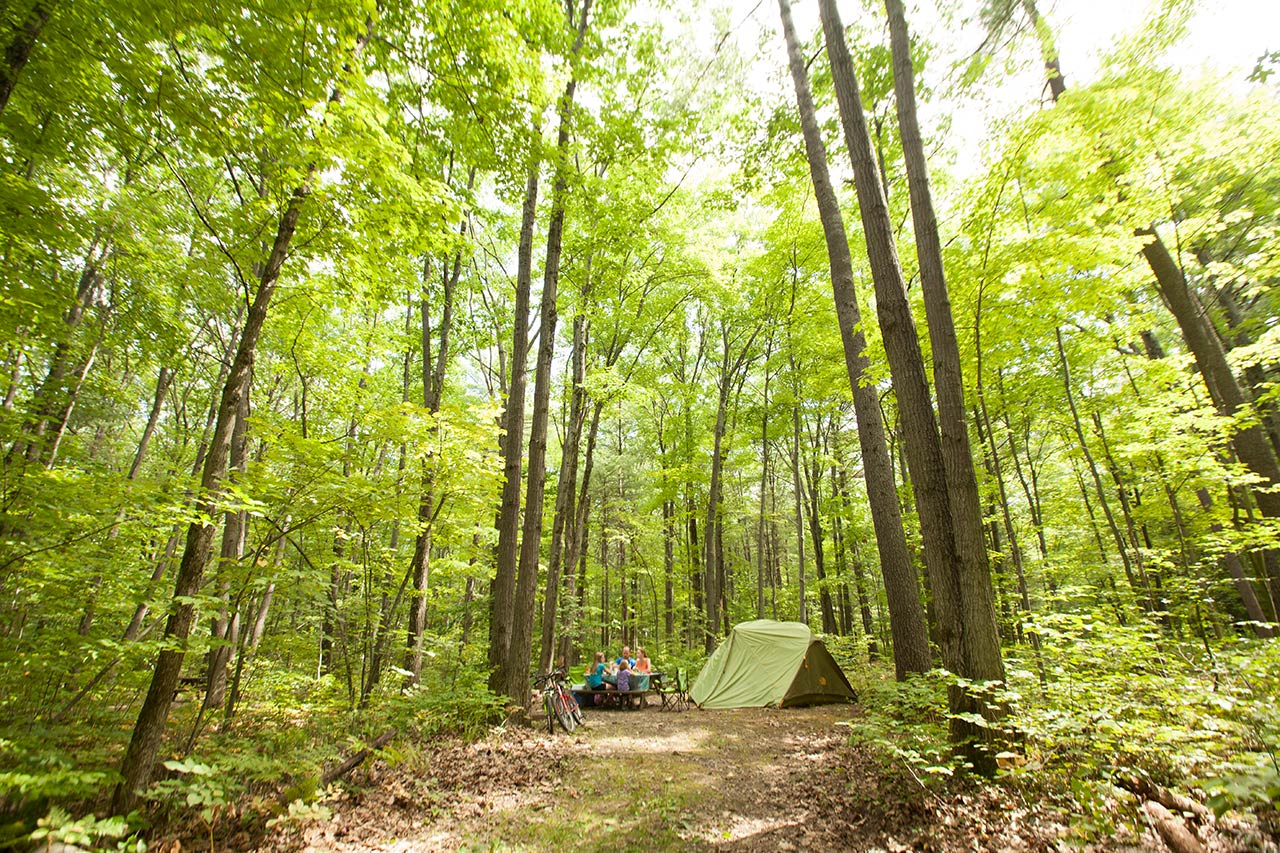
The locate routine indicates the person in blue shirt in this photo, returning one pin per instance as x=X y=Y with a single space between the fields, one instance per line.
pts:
x=595 y=673
x=625 y=656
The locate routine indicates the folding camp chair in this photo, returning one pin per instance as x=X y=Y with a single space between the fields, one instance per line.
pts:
x=675 y=695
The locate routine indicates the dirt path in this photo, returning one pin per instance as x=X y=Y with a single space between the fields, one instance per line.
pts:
x=743 y=780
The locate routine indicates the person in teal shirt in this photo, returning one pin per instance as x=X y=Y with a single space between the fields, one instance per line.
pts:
x=595 y=673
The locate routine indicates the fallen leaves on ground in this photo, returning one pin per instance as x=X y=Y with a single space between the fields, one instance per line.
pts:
x=743 y=780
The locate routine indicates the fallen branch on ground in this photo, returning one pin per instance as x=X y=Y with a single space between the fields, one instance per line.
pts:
x=1172 y=829
x=1145 y=789
x=335 y=773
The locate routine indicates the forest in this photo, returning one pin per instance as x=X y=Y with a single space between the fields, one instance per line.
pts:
x=364 y=360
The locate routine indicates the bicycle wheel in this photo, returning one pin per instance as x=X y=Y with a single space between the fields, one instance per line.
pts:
x=574 y=708
x=561 y=709
x=548 y=706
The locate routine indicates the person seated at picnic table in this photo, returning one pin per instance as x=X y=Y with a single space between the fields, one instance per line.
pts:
x=624 y=676
x=625 y=656
x=642 y=664
x=595 y=673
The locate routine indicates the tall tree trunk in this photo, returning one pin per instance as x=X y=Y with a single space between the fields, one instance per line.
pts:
x=668 y=539
x=148 y=732
x=234 y=528
x=1100 y=491
x=575 y=558
x=798 y=490
x=813 y=482
x=731 y=368
x=764 y=481
x=508 y=555
x=981 y=636
x=1231 y=562
x=516 y=669
x=149 y=729
x=162 y=388
x=49 y=396
x=911 y=647
x=906 y=365
x=63 y=415
x=860 y=585
x=433 y=376
x=566 y=483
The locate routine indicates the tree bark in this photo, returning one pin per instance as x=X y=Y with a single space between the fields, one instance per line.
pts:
x=433 y=375
x=516 y=670
x=1250 y=442
x=567 y=482
x=813 y=484
x=508 y=555
x=148 y=732
x=731 y=367
x=149 y=729
x=798 y=490
x=1100 y=491
x=980 y=636
x=906 y=616
x=906 y=364
x=20 y=47
x=575 y=559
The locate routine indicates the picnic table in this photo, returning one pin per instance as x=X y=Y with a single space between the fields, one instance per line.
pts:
x=643 y=686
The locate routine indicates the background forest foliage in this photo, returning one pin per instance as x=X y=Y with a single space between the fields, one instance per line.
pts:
x=267 y=293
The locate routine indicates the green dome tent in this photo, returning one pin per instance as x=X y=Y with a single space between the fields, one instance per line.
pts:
x=770 y=663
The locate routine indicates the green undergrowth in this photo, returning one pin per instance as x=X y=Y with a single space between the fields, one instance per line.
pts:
x=1098 y=705
x=264 y=768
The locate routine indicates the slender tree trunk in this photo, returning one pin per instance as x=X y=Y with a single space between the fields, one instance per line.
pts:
x=860 y=585
x=764 y=480
x=50 y=394
x=813 y=483
x=516 y=670
x=433 y=376
x=911 y=647
x=149 y=730
x=798 y=490
x=1250 y=442
x=668 y=540
x=575 y=559
x=20 y=47
x=63 y=415
x=730 y=368
x=567 y=482
x=1093 y=471
x=508 y=555
x=1131 y=529
x=162 y=388
x=234 y=528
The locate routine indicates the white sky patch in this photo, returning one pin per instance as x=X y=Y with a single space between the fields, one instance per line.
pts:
x=1225 y=36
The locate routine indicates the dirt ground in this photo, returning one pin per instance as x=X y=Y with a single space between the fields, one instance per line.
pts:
x=741 y=780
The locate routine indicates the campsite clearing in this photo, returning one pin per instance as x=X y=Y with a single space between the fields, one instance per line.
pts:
x=743 y=780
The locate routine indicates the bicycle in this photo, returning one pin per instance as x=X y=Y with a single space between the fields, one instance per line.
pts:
x=558 y=701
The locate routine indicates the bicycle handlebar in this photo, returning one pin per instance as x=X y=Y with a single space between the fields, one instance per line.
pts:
x=557 y=674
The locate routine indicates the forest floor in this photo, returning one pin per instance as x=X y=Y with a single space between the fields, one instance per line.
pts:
x=742 y=780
